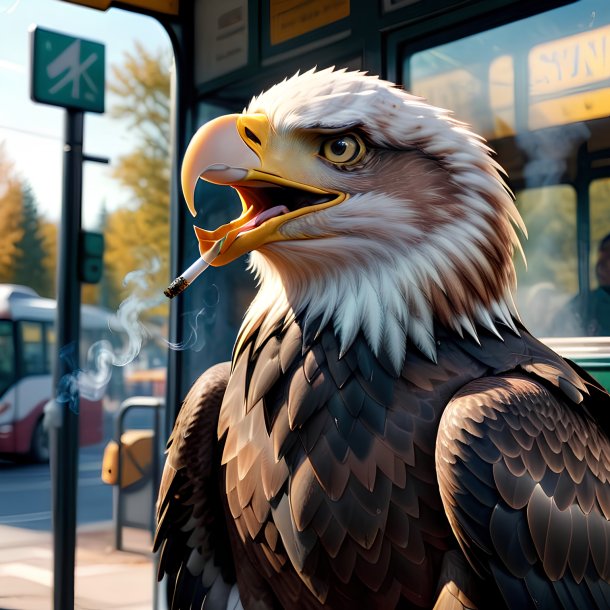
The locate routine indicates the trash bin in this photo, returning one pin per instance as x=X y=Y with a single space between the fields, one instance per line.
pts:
x=131 y=465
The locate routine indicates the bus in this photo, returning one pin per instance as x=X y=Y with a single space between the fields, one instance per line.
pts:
x=27 y=351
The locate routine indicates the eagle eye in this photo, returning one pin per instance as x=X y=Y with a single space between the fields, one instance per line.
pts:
x=343 y=150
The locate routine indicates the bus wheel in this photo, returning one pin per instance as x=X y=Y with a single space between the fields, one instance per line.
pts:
x=39 y=448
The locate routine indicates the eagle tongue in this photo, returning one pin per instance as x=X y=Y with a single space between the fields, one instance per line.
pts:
x=258 y=220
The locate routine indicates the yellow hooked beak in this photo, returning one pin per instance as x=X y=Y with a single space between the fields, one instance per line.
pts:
x=231 y=150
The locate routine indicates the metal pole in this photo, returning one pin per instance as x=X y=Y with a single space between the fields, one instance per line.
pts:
x=117 y=492
x=65 y=444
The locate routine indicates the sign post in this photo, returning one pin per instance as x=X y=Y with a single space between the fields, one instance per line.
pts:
x=67 y=72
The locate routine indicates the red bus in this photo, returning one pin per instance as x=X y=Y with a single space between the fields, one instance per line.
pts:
x=27 y=352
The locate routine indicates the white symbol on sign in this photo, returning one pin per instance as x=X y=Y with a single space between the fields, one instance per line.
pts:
x=69 y=62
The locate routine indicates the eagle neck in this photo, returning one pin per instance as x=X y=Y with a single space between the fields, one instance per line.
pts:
x=392 y=309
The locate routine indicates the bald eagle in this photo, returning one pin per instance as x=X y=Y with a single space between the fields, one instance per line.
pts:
x=388 y=433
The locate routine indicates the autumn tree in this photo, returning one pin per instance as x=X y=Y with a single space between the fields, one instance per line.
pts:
x=49 y=231
x=49 y=234
x=137 y=236
x=29 y=262
x=23 y=255
x=11 y=229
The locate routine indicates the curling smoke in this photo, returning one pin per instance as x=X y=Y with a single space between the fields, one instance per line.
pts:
x=92 y=381
x=195 y=320
x=101 y=357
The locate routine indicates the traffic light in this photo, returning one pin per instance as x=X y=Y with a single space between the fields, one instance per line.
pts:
x=91 y=257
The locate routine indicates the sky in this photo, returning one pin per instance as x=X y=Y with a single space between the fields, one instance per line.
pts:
x=33 y=133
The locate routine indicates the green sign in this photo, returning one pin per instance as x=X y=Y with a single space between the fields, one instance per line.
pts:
x=67 y=71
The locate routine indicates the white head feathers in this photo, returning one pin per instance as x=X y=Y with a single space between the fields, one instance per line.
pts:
x=425 y=237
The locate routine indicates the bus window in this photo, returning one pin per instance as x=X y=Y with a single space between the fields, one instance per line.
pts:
x=590 y=309
x=7 y=356
x=551 y=275
x=547 y=70
x=538 y=90
x=599 y=202
x=32 y=348
x=50 y=343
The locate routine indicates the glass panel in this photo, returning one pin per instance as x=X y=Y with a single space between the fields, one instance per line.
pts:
x=551 y=276
x=7 y=355
x=567 y=75
x=539 y=89
x=217 y=301
x=32 y=348
x=550 y=69
x=554 y=307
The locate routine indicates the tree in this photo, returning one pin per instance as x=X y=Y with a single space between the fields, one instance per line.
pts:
x=27 y=241
x=138 y=236
x=11 y=230
x=49 y=233
x=29 y=263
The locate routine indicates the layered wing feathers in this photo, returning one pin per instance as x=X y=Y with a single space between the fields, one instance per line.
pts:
x=524 y=480
x=192 y=534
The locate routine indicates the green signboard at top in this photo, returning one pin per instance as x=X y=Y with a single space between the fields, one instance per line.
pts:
x=67 y=71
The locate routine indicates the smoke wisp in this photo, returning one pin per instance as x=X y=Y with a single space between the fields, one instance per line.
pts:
x=195 y=320
x=92 y=380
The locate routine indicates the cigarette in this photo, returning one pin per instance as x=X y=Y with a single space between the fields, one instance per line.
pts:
x=186 y=278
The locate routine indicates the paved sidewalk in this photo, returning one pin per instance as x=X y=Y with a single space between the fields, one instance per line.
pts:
x=105 y=579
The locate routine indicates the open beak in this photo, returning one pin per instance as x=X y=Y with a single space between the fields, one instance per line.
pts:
x=230 y=150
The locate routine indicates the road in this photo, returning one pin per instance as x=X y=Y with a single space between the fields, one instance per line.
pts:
x=105 y=579
x=25 y=489
x=25 y=492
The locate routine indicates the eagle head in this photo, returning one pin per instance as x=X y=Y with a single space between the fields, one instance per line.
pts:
x=364 y=207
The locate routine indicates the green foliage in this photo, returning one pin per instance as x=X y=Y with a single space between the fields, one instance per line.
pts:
x=23 y=248
x=29 y=264
x=142 y=83
x=49 y=233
